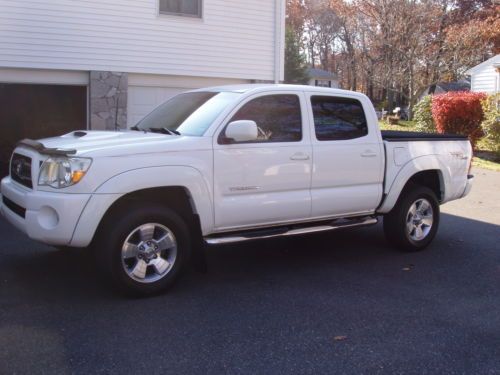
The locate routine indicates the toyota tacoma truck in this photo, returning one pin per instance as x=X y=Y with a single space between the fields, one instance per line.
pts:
x=230 y=164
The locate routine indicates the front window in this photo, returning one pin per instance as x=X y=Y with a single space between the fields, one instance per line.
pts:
x=191 y=113
x=188 y=8
x=278 y=118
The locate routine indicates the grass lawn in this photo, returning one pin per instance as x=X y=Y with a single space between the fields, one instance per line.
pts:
x=484 y=156
x=408 y=126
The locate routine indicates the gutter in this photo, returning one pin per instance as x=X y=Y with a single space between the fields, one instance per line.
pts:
x=279 y=40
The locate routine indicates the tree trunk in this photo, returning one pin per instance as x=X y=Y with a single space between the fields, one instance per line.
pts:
x=354 y=80
x=411 y=90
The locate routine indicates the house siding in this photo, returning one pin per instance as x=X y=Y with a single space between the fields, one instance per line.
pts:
x=234 y=39
x=485 y=80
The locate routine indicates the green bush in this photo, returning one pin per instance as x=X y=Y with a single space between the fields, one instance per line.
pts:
x=491 y=122
x=423 y=115
x=383 y=105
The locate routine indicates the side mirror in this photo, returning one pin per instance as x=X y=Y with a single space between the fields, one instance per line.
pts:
x=242 y=131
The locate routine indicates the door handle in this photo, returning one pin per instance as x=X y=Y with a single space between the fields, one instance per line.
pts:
x=368 y=154
x=299 y=156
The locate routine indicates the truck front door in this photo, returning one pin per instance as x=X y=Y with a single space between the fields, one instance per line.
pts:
x=265 y=181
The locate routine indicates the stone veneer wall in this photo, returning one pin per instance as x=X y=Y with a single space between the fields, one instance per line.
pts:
x=108 y=100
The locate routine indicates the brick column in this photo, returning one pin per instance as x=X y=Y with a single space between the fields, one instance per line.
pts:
x=108 y=100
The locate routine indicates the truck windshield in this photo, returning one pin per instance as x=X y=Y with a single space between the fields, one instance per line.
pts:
x=191 y=113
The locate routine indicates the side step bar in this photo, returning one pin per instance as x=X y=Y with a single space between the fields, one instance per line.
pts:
x=291 y=230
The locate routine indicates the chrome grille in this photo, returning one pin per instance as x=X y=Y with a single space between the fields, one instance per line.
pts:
x=20 y=170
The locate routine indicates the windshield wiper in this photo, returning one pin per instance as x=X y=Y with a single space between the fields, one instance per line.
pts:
x=165 y=131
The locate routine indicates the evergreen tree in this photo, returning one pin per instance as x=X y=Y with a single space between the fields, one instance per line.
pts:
x=295 y=66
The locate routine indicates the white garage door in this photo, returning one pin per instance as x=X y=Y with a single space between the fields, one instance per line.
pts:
x=147 y=91
x=142 y=100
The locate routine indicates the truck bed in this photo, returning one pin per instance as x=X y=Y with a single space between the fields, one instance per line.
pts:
x=404 y=136
x=407 y=152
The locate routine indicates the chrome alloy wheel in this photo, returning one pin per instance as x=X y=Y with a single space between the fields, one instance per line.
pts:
x=419 y=219
x=149 y=252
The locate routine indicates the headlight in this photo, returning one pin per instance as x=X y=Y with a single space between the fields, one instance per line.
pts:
x=61 y=172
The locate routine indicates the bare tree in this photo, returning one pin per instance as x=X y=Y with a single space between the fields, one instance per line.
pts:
x=396 y=49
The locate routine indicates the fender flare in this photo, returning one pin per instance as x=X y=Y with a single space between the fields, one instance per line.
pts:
x=139 y=179
x=411 y=168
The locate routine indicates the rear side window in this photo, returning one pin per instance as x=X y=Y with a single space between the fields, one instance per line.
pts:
x=278 y=117
x=338 y=118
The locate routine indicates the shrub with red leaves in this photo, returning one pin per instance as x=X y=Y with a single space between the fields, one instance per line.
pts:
x=459 y=112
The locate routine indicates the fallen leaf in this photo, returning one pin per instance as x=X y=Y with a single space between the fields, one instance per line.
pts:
x=340 y=338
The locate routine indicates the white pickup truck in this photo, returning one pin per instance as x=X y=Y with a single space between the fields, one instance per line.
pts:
x=229 y=164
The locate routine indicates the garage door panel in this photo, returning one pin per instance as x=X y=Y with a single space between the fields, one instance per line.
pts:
x=148 y=91
x=38 y=111
x=142 y=100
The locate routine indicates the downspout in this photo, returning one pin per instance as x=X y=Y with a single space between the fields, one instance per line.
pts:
x=279 y=40
x=497 y=88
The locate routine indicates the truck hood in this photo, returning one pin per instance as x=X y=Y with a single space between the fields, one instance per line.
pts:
x=111 y=143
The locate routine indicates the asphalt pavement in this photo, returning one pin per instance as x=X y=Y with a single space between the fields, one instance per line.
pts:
x=341 y=303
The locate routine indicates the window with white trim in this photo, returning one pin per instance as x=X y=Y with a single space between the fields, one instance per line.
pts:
x=337 y=118
x=187 y=8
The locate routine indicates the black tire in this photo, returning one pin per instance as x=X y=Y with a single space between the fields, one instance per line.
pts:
x=108 y=247
x=395 y=222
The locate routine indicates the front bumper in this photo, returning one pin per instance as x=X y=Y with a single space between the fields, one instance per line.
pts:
x=48 y=217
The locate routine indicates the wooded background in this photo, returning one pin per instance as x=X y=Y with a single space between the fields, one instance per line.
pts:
x=391 y=50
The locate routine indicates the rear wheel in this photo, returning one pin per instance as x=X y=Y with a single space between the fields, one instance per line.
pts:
x=144 y=250
x=413 y=222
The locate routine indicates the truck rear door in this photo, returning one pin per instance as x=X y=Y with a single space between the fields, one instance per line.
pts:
x=348 y=159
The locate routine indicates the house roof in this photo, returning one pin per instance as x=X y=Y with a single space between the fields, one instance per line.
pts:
x=462 y=85
x=495 y=61
x=454 y=86
x=320 y=73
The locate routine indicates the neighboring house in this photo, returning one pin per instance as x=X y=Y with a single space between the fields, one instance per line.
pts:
x=96 y=64
x=442 y=87
x=322 y=78
x=485 y=77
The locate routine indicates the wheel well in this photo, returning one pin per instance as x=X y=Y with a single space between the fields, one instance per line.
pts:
x=431 y=179
x=175 y=197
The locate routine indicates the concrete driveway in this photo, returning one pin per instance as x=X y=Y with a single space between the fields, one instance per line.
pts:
x=330 y=303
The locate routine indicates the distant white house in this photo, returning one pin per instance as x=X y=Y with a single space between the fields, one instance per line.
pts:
x=322 y=78
x=485 y=77
x=105 y=64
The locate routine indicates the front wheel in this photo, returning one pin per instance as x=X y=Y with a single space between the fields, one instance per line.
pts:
x=413 y=222
x=144 y=250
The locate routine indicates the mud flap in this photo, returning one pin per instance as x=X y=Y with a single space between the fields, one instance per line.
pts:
x=198 y=256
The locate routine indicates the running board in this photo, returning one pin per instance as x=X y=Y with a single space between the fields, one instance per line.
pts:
x=291 y=230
